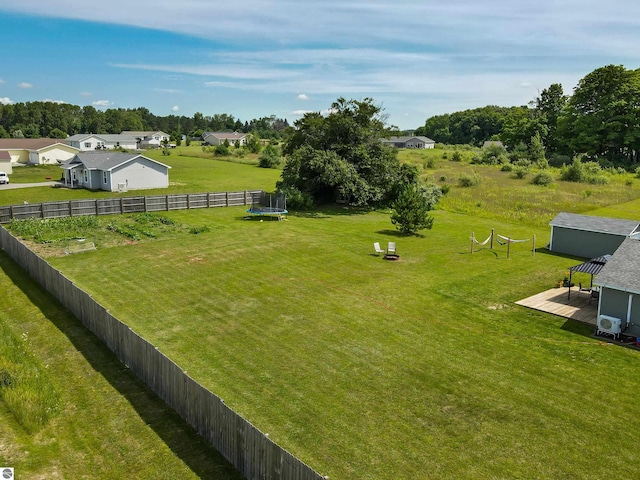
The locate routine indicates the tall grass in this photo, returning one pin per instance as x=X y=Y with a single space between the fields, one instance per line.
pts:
x=25 y=387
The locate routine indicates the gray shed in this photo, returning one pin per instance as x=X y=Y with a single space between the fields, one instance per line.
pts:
x=619 y=282
x=588 y=236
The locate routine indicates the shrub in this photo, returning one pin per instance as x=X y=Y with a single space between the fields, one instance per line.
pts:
x=430 y=163
x=542 y=178
x=507 y=167
x=456 y=157
x=445 y=188
x=520 y=172
x=469 y=180
x=270 y=157
x=221 y=150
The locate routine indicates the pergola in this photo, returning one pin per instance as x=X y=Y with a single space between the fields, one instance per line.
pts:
x=592 y=267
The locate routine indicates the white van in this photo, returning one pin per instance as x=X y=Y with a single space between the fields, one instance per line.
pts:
x=4 y=178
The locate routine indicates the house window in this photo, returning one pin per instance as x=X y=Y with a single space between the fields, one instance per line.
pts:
x=87 y=144
x=73 y=175
x=86 y=176
x=104 y=177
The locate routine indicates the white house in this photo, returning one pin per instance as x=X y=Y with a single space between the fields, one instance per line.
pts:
x=410 y=142
x=147 y=139
x=36 y=151
x=114 y=171
x=86 y=142
x=217 y=138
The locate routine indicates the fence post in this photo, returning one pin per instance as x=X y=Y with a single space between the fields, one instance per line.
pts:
x=188 y=202
x=245 y=198
x=226 y=196
x=145 y=203
x=42 y=210
x=167 y=202
x=70 y=209
x=121 y=206
x=208 y=199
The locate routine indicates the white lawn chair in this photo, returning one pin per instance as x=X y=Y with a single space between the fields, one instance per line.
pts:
x=377 y=249
x=391 y=248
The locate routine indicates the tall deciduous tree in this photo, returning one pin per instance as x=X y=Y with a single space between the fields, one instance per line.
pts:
x=602 y=118
x=548 y=107
x=341 y=156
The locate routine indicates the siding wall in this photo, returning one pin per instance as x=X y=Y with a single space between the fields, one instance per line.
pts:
x=137 y=174
x=585 y=244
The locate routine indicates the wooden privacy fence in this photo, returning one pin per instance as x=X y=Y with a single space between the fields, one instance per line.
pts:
x=243 y=445
x=109 y=206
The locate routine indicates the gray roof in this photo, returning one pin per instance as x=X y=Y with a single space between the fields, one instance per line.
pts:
x=622 y=271
x=406 y=139
x=109 y=137
x=227 y=135
x=104 y=160
x=613 y=226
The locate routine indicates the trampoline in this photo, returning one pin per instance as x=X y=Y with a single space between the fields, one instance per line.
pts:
x=278 y=210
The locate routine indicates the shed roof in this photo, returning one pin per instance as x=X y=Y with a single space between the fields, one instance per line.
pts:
x=104 y=160
x=4 y=155
x=613 y=226
x=622 y=271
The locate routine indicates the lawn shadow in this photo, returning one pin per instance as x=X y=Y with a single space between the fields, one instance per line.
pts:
x=392 y=233
x=200 y=456
x=328 y=212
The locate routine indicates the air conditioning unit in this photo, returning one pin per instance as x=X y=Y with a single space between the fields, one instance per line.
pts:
x=610 y=325
x=122 y=187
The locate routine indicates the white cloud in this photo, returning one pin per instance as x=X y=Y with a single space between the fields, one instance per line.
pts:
x=175 y=108
x=101 y=103
x=60 y=102
x=166 y=90
x=1 y=81
x=25 y=85
x=86 y=94
x=5 y=101
x=302 y=96
x=299 y=113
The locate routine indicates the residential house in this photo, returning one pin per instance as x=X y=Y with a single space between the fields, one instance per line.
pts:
x=410 y=142
x=218 y=138
x=5 y=162
x=87 y=142
x=492 y=143
x=114 y=171
x=619 y=282
x=36 y=151
x=589 y=236
x=148 y=139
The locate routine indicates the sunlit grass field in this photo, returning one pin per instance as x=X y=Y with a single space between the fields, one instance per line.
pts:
x=368 y=369
x=372 y=369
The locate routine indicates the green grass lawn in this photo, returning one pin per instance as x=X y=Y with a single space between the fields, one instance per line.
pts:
x=187 y=175
x=105 y=424
x=365 y=369
x=368 y=369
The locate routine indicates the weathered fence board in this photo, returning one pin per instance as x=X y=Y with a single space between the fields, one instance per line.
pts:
x=139 y=204
x=242 y=444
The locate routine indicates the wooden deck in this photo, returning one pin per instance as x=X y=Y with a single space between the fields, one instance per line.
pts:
x=555 y=301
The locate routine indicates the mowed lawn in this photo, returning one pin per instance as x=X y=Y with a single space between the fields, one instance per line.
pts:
x=108 y=424
x=368 y=369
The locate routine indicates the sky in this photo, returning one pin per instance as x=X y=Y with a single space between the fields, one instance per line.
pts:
x=256 y=58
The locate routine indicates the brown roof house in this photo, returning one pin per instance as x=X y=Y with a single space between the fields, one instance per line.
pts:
x=37 y=151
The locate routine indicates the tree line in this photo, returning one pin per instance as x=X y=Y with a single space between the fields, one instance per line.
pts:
x=601 y=120
x=58 y=120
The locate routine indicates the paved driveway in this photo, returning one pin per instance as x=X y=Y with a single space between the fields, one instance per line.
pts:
x=27 y=185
